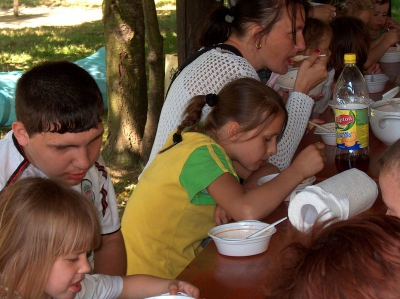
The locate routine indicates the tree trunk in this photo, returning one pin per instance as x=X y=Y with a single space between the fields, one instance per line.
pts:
x=126 y=81
x=155 y=60
x=191 y=15
x=16 y=8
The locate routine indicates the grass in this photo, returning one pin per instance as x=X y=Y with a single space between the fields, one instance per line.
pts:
x=25 y=47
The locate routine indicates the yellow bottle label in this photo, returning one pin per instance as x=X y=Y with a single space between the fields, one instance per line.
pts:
x=352 y=130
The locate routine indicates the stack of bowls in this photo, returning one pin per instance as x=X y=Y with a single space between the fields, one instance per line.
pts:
x=230 y=239
x=378 y=84
x=384 y=121
x=391 y=56
x=286 y=82
x=327 y=138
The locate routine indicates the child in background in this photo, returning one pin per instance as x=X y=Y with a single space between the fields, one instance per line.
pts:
x=318 y=35
x=389 y=178
x=171 y=210
x=350 y=35
x=356 y=258
x=365 y=10
x=46 y=229
x=361 y=9
x=380 y=23
x=58 y=134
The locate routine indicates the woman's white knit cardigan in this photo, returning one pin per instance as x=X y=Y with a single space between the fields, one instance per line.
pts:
x=208 y=74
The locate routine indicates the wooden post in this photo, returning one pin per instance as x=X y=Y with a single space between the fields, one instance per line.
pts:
x=190 y=15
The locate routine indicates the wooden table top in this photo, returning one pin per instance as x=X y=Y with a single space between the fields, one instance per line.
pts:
x=219 y=276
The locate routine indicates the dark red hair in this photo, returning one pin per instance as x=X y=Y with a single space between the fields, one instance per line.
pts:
x=357 y=258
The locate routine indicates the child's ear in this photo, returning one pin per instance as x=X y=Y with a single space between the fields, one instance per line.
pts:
x=234 y=130
x=20 y=133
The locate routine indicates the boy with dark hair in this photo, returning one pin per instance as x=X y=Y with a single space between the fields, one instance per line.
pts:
x=58 y=134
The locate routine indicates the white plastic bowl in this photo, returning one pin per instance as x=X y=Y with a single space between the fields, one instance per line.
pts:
x=327 y=138
x=239 y=231
x=305 y=183
x=391 y=56
x=378 y=84
x=286 y=82
x=385 y=122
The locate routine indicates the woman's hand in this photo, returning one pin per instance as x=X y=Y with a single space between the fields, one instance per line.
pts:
x=311 y=72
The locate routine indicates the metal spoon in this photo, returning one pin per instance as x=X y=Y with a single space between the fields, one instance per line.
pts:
x=259 y=232
x=320 y=127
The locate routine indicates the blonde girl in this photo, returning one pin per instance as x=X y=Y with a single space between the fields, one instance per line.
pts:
x=46 y=230
x=172 y=207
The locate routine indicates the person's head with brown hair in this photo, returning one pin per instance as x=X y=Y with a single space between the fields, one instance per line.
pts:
x=266 y=32
x=350 y=35
x=389 y=177
x=355 y=258
x=59 y=110
x=42 y=221
x=244 y=107
x=317 y=35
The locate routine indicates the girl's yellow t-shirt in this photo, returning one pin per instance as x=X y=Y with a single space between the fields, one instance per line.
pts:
x=170 y=212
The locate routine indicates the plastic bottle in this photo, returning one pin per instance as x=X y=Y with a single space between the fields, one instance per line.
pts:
x=351 y=99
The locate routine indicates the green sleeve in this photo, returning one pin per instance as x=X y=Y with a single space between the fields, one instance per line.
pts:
x=204 y=165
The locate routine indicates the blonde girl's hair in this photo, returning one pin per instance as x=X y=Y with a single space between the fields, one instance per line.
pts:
x=40 y=221
x=246 y=101
x=353 y=7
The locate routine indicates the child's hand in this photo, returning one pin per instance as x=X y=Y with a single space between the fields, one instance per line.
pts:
x=310 y=160
x=220 y=216
x=391 y=24
x=176 y=286
x=391 y=37
x=375 y=67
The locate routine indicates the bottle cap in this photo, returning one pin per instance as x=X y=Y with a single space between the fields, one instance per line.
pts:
x=349 y=58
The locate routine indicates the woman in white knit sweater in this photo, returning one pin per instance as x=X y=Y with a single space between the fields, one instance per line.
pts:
x=239 y=41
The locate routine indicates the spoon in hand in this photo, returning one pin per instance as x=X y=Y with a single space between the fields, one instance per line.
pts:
x=259 y=232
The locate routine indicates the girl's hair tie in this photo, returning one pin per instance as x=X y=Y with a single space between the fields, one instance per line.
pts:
x=176 y=138
x=211 y=99
x=230 y=15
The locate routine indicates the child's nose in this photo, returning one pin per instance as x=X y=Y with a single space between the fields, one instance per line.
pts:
x=85 y=268
x=82 y=159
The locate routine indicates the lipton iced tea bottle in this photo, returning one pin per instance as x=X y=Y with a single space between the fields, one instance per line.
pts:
x=351 y=117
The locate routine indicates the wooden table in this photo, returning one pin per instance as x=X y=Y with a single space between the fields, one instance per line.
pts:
x=220 y=276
